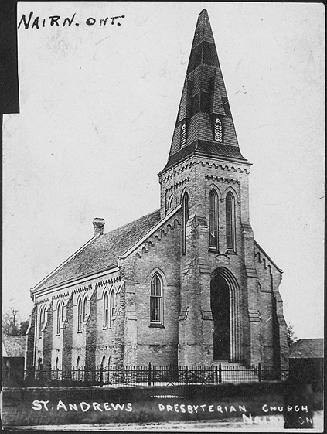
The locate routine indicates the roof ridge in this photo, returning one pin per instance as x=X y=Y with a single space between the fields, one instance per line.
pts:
x=133 y=221
x=151 y=231
x=105 y=236
x=65 y=262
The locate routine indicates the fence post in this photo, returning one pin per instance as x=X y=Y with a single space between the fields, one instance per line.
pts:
x=186 y=374
x=220 y=373
x=216 y=375
x=149 y=374
x=259 y=372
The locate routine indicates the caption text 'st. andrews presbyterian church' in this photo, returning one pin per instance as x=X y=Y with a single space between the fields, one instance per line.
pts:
x=184 y=285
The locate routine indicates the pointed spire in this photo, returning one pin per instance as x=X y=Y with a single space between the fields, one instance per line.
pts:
x=203 y=30
x=204 y=106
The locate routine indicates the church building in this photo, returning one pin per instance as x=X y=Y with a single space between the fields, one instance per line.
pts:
x=184 y=285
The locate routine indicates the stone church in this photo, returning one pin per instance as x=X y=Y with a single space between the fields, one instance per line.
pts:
x=185 y=285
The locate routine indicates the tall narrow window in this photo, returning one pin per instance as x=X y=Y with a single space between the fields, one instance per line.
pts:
x=59 y=317
x=156 y=305
x=112 y=306
x=230 y=221
x=183 y=133
x=185 y=217
x=213 y=221
x=169 y=201
x=84 y=308
x=105 y=309
x=218 y=130
x=41 y=320
x=79 y=315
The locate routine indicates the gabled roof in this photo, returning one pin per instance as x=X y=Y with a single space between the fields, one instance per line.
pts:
x=307 y=349
x=102 y=252
x=13 y=346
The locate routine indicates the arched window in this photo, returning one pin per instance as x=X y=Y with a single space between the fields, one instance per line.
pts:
x=57 y=363
x=59 y=318
x=213 y=221
x=41 y=320
x=169 y=201
x=218 y=130
x=230 y=221
x=79 y=315
x=156 y=302
x=112 y=306
x=105 y=309
x=78 y=363
x=183 y=133
x=84 y=308
x=185 y=217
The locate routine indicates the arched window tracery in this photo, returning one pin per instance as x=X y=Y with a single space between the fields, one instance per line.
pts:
x=156 y=300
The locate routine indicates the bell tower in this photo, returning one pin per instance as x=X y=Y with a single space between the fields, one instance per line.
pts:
x=208 y=176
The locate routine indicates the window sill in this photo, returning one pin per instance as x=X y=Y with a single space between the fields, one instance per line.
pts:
x=213 y=250
x=156 y=325
x=231 y=252
x=79 y=331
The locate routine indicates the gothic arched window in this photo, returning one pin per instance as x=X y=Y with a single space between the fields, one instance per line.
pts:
x=218 y=130
x=213 y=221
x=185 y=217
x=84 y=308
x=79 y=315
x=169 y=201
x=60 y=317
x=230 y=221
x=183 y=133
x=156 y=300
x=105 y=309
x=41 y=320
x=112 y=307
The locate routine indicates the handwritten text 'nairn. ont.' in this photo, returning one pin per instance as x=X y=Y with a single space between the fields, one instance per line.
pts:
x=32 y=21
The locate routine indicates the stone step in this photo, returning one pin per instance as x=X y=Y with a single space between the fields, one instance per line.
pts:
x=235 y=372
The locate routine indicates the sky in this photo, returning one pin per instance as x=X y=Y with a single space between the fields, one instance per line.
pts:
x=97 y=111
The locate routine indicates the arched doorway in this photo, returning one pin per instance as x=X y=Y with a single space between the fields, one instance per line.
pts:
x=224 y=303
x=220 y=307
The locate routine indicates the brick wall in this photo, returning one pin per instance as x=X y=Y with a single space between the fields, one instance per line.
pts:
x=143 y=342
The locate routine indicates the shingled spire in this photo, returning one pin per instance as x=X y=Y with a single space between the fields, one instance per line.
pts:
x=204 y=124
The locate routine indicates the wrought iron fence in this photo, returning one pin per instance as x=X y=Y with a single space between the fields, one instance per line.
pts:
x=153 y=375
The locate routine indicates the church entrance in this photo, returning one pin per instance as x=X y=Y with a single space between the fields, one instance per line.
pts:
x=220 y=308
